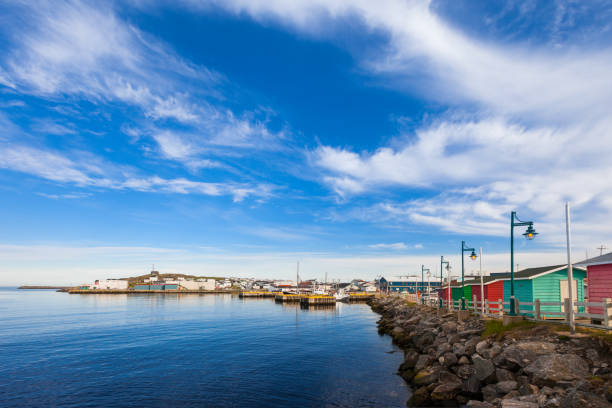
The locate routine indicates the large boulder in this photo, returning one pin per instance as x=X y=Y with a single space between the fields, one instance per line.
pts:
x=522 y=354
x=423 y=361
x=555 y=368
x=446 y=391
x=471 y=386
x=427 y=376
x=581 y=399
x=482 y=346
x=514 y=403
x=448 y=359
x=443 y=348
x=504 y=375
x=479 y=404
x=423 y=339
x=419 y=398
x=410 y=358
x=464 y=371
x=504 y=387
x=482 y=368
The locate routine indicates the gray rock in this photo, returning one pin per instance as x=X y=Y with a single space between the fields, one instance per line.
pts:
x=514 y=394
x=443 y=348
x=489 y=392
x=427 y=376
x=547 y=391
x=410 y=358
x=471 y=385
x=504 y=387
x=491 y=352
x=581 y=399
x=503 y=375
x=530 y=398
x=465 y=371
x=555 y=368
x=423 y=361
x=445 y=392
x=470 y=346
x=482 y=346
x=551 y=403
x=592 y=355
x=458 y=349
x=448 y=359
x=463 y=360
x=419 y=398
x=424 y=339
x=449 y=327
x=528 y=389
x=478 y=404
x=514 y=403
x=522 y=354
x=482 y=368
x=445 y=376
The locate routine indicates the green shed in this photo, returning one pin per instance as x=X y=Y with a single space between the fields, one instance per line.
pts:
x=467 y=292
x=548 y=284
x=457 y=292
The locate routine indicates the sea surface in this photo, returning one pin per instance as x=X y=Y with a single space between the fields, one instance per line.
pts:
x=61 y=350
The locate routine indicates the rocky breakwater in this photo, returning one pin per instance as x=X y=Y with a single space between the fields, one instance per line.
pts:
x=450 y=363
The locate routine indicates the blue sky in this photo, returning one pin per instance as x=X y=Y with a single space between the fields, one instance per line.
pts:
x=237 y=137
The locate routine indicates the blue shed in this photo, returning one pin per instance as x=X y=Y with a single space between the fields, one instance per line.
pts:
x=548 y=284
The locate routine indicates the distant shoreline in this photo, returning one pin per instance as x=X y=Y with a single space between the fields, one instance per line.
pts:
x=44 y=287
x=135 y=292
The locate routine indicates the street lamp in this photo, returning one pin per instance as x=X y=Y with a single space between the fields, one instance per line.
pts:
x=423 y=269
x=473 y=257
x=442 y=263
x=530 y=234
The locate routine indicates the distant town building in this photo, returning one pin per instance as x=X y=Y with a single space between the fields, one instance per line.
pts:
x=115 y=284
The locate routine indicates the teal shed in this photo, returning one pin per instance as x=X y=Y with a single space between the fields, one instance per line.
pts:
x=548 y=284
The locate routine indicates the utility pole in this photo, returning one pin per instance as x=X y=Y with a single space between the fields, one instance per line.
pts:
x=601 y=249
x=570 y=274
x=482 y=299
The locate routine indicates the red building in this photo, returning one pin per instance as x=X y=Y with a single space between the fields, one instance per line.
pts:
x=493 y=288
x=599 y=280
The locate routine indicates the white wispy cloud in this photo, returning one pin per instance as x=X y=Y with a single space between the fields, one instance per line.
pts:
x=85 y=50
x=395 y=246
x=528 y=128
x=86 y=170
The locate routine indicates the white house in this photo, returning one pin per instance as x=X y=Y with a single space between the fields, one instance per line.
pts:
x=116 y=284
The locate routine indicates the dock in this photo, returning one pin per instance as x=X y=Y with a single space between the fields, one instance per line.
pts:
x=317 y=300
x=257 y=294
x=287 y=298
x=360 y=297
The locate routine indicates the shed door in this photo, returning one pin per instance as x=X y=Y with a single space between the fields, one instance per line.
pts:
x=565 y=293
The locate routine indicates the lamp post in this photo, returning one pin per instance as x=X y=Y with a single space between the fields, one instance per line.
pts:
x=473 y=257
x=442 y=263
x=530 y=234
x=423 y=269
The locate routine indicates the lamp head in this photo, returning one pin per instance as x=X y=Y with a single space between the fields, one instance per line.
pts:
x=448 y=268
x=530 y=233
x=473 y=256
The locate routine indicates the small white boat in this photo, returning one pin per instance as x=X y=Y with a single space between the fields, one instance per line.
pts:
x=341 y=297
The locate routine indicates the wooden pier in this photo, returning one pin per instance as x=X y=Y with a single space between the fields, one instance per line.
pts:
x=317 y=300
x=257 y=294
x=360 y=297
x=287 y=298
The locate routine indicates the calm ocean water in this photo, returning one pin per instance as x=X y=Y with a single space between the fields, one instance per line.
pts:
x=206 y=351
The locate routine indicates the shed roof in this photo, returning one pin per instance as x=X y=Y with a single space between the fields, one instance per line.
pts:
x=531 y=273
x=487 y=279
x=598 y=260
